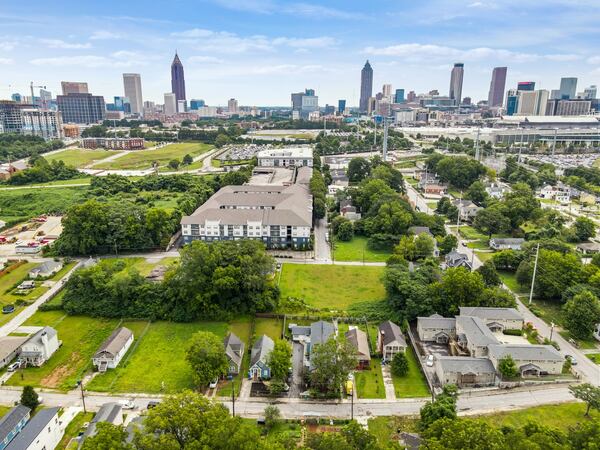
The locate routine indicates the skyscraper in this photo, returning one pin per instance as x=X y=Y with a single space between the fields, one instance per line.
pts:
x=341 y=106
x=170 y=104
x=177 y=79
x=399 y=97
x=132 y=83
x=366 y=87
x=81 y=108
x=497 y=85
x=232 y=106
x=526 y=86
x=456 y=82
x=568 y=87
x=590 y=93
x=74 y=87
x=387 y=90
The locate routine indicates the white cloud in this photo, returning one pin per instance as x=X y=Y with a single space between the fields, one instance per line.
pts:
x=317 y=42
x=116 y=59
x=105 y=35
x=417 y=52
x=7 y=45
x=6 y=61
x=59 y=43
x=303 y=9
x=593 y=60
x=204 y=59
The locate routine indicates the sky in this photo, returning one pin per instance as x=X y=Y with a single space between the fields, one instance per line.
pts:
x=259 y=51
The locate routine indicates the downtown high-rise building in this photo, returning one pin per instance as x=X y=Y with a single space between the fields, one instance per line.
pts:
x=456 y=82
x=497 y=85
x=366 y=87
x=170 y=108
x=526 y=86
x=386 y=90
x=568 y=88
x=81 y=108
x=74 y=87
x=232 y=106
x=132 y=84
x=177 y=79
x=589 y=93
x=399 y=97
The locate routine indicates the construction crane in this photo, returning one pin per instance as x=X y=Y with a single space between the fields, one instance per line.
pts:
x=32 y=96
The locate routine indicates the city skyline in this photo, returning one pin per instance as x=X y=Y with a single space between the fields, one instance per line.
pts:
x=259 y=51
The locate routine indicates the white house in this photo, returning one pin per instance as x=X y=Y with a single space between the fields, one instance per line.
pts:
x=40 y=347
x=113 y=349
x=465 y=371
x=473 y=335
x=529 y=359
x=506 y=243
x=390 y=340
x=436 y=328
x=46 y=269
x=42 y=432
x=496 y=319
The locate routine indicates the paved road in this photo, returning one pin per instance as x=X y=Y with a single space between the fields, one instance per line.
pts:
x=482 y=403
x=322 y=249
x=297 y=364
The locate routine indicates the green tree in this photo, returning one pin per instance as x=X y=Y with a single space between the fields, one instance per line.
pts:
x=584 y=228
x=174 y=164
x=345 y=231
x=272 y=416
x=447 y=244
x=187 y=159
x=448 y=433
x=581 y=314
x=280 y=360
x=358 y=169
x=587 y=393
x=424 y=246
x=332 y=361
x=29 y=397
x=585 y=435
x=206 y=355
x=556 y=272
x=458 y=287
x=107 y=437
x=222 y=140
x=477 y=193
x=444 y=406
x=400 y=364
x=406 y=248
x=489 y=274
x=507 y=367
x=492 y=220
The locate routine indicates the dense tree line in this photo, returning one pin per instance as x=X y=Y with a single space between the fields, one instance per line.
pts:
x=42 y=171
x=459 y=171
x=18 y=146
x=211 y=280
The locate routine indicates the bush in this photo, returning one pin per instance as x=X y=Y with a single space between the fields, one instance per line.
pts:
x=400 y=364
x=513 y=332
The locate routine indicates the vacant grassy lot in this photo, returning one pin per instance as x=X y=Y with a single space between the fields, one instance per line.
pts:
x=510 y=280
x=73 y=429
x=594 y=357
x=81 y=336
x=414 y=383
x=157 y=364
x=357 y=250
x=143 y=159
x=22 y=204
x=15 y=276
x=270 y=327
x=330 y=286
x=79 y=157
x=369 y=382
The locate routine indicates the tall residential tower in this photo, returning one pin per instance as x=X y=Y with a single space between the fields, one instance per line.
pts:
x=177 y=79
x=456 y=83
x=132 y=84
x=366 y=87
x=496 y=94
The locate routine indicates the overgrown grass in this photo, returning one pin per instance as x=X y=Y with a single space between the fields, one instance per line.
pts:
x=412 y=384
x=143 y=159
x=79 y=157
x=22 y=204
x=330 y=286
x=73 y=429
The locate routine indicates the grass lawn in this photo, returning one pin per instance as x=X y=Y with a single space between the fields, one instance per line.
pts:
x=510 y=279
x=73 y=429
x=86 y=180
x=79 y=157
x=330 y=286
x=468 y=232
x=484 y=256
x=385 y=427
x=22 y=204
x=143 y=159
x=270 y=327
x=595 y=357
x=157 y=364
x=8 y=280
x=369 y=382
x=587 y=344
x=357 y=250
x=242 y=328
x=81 y=336
x=414 y=383
x=549 y=311
x=144 y=267
x=4 y=410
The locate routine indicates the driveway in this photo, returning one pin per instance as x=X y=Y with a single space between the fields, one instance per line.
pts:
x=322 y=249
x=297 y=369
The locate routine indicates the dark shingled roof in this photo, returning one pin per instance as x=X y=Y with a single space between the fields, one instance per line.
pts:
x=10 y=420
x=32 y=430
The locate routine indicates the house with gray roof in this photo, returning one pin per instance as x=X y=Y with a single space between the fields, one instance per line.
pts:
x=436 y=328
x=279 y=216
x=496 y=319
x=299 y=332
x=46 y=269
x=472 y=334
x=42 y=432
x=506 y=243
x=358 y=339
x=40 y=347
x=467 y=209
x=12 y=423
x=530 y=359
x=259 y=358
x=390 y=340
x=234 y=350
x=465 y=371
x=457 y=259
x=113 y=349
x=10 y=347
x=110 y=413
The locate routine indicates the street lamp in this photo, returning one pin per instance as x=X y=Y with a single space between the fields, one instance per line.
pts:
x=551 y=330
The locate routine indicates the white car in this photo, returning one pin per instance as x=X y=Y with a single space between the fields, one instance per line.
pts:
x=127 y=404
x=213 y=383
x=429 y=361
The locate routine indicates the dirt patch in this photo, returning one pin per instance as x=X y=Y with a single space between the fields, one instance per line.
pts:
x=323 y=428
x=55 y=378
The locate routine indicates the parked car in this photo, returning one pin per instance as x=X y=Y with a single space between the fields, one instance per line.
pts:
x=213 y=383
x=127 y=404
x=7 y=309
x=152 y=404
x=572 y=359
x=429 y=361
x=14 y=366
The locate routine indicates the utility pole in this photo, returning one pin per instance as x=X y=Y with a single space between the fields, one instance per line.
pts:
x=477 y=145
x=458 y=215
x=375 y=134
x=554 y=142
x=385 y=138
x=80 y=383
x=352 y=404
x=233 y=397
x=537 y=254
